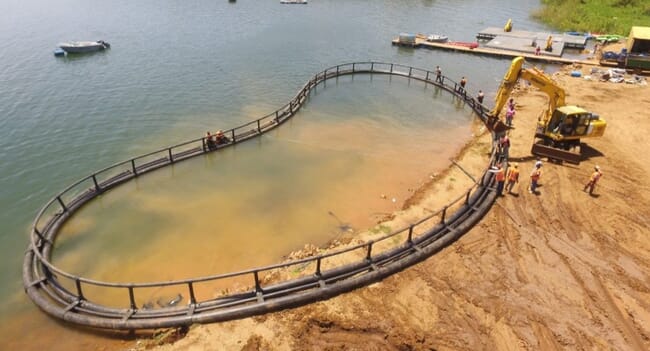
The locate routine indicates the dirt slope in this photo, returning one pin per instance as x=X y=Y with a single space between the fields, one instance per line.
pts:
x=561 y=270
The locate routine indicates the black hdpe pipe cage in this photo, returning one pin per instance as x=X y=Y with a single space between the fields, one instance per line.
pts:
x=50 y=287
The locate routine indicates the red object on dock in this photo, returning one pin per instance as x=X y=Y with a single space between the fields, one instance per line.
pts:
x=471 y=45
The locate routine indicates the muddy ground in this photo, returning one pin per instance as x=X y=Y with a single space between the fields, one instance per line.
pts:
x=560 y=270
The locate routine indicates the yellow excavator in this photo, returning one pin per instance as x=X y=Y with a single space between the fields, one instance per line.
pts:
x=560 y=127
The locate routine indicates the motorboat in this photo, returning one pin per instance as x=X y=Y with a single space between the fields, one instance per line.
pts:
x=437 y=38
x=84 y=46
x=300 y=2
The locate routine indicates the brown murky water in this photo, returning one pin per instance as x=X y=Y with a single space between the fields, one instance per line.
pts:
x=356 y=151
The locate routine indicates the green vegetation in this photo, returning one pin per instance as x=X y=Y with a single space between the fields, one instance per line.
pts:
x=381 y=229
x=605 y=16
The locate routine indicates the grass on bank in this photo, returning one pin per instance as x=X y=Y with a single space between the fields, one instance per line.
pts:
x=605 y=16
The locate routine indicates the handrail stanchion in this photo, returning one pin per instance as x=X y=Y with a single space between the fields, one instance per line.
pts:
x=391 y=68
x=40 y=236
x=369 y=251
x=318 y=272
x=410 y=71
x=58 y=198
x=258 y=287
x=410 y=237
x=232 y=134
x=132 y=298
x=372 y=67
x=427 y=78
x=191 y=291
x=171 y=157
x=97 y=187
x=467 y=196
x=277 y=116
x=203 y=146
x=80 y=294
x=443 y=214
x=259 y=129
x=133 y=168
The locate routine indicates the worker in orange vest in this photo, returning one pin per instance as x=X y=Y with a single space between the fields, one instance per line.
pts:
x=500 y=177
x=534 y=177
x=512 y=177
x=593 y=180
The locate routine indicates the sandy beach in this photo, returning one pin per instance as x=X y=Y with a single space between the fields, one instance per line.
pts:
x=560 y=270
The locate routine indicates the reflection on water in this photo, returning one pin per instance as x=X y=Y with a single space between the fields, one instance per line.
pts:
x=353 y=154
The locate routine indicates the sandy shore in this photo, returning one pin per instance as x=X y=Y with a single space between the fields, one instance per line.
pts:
x=559 y=270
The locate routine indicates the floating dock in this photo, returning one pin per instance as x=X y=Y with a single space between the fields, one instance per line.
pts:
x=566 y=40
x=496 y=51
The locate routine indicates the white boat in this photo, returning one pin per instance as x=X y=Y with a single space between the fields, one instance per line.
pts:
x=437 y=38
x=302 y=2
x=84 y=46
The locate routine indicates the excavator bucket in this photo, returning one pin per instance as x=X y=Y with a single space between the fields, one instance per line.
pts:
x=539 y=149
x=494 y=124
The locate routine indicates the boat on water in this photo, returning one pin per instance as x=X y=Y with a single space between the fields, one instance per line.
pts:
x=77 y=47
x=300 y=2
x=437 y=38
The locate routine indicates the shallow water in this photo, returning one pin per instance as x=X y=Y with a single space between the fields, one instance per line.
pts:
x=176 y=69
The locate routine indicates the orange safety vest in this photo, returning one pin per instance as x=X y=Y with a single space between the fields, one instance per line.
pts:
x=536 y=174
x=500 y=176
x=595 y=176
x=513 y=175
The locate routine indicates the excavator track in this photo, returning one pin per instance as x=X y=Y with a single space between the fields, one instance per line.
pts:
x=543 y=148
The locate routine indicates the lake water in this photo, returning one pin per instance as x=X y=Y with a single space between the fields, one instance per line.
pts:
x=177 y=69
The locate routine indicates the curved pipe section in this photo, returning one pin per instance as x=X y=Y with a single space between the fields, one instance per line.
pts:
x=61 y=294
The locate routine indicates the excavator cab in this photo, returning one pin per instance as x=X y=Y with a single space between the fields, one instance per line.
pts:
x=567 y=123
x=560 y=138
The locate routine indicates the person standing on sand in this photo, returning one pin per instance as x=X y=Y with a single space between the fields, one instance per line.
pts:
x=500 y=177
x=510 y=114
x=534 y=177
x=593 y=180
x=512 y=177
x=480 y=97
x=504 y=146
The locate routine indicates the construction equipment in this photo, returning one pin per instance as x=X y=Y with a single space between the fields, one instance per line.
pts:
x=560 y=127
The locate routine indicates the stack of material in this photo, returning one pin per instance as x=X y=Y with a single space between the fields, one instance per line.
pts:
x=407 y=39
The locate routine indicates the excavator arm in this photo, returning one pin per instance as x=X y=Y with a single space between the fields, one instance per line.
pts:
x=533 y=75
